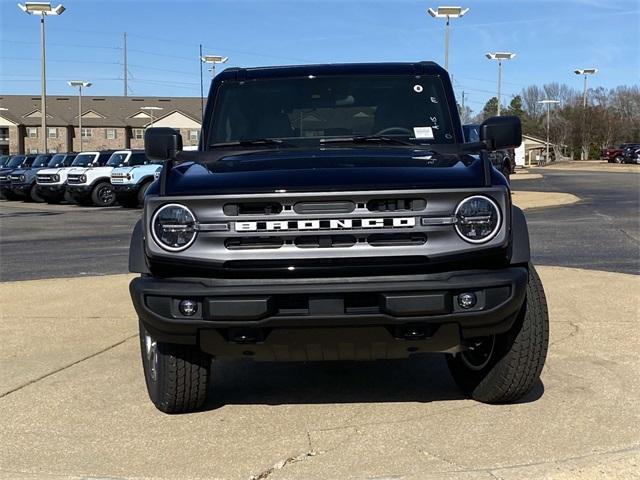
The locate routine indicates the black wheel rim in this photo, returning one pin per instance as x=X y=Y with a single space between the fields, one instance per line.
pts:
x=105 y=195
x=479 y=353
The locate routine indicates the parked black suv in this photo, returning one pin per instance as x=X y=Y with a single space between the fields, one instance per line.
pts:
x=335 y=212
x=15 y=162
x=503 y=159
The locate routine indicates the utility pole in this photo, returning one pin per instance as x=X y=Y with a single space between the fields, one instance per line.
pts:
x=201 y=87
x=126 y=70
x=42 y=9
x=584 y=154
x=500 y=56
x=548 y=103
x=448 y=13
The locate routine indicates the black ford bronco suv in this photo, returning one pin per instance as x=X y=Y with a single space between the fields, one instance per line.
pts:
x=334 y=212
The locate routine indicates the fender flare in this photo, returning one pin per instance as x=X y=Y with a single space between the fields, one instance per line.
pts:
x=520 y=247
x=137 y=260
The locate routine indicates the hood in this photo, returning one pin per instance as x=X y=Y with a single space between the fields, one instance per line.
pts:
x=330 y=169
x=52 y=171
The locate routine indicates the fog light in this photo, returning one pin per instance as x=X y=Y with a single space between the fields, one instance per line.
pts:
x=188 y=308
x=467 y=300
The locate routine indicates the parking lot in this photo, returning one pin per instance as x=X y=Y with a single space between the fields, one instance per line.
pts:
x=74 y=404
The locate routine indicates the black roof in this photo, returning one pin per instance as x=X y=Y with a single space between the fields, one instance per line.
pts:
x=387 y=68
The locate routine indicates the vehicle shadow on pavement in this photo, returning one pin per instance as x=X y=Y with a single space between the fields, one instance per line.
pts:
x=422 y=378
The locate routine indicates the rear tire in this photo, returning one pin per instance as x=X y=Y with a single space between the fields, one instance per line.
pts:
x=505 y=367
x=177 y=376
x=103 y=195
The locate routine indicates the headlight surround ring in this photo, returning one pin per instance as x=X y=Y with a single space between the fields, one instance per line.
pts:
x=83 y=178
x=55 y=177
x=22 y=178
x=495 y=218
x=189 y=227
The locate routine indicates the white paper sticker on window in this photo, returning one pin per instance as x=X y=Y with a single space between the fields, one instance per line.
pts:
x=423 y=132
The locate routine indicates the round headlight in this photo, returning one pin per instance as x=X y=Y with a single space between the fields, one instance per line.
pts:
x=128 y=176
x=22 y=178
x=173 y=227
x=55 y=178
x=83 y=178
x=477 y=219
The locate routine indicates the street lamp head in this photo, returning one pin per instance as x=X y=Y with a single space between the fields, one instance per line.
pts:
x=500 y=55
x=213 y=59
x=444 y=12
x=41 y=8
x=79 y=83
x=586 y=71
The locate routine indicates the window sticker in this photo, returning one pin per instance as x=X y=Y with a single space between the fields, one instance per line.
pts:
x=417 y=88
x=423 y=132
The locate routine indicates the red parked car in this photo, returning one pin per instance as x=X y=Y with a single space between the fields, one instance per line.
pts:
x=614 y=155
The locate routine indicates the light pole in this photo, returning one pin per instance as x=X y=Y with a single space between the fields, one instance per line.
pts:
x=79 y=84
x=151 y=110
x=548 y=103
x=213 y=60
x=500 y=57
x=584 y=154
x=42 y=9
x=448 y=13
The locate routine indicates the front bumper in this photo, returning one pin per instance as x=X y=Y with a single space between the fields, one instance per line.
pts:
x=340 y=318
x=125 y=190
x=51 y=191
x=21 y=189
x=79 y=191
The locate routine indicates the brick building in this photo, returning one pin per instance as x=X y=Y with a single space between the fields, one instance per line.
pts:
x=107 y=122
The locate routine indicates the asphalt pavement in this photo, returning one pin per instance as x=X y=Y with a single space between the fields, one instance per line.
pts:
x=601 y=232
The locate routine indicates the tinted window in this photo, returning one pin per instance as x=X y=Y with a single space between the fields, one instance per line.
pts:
x=28 y=162
x=41 y=161
x=15 y=161
x=471 y=133
x=68 y=160
x=4 y=159
x=103 y=158
x=56 y=161
x=138 y=159
x=409 y=107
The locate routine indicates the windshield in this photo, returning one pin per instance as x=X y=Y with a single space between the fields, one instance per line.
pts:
x=138 y=159
x=41 y=161
x=4 y=159
x=117 y=159
x=84 y=160
x=406 y=107
x=56 y=161
x=16 y=161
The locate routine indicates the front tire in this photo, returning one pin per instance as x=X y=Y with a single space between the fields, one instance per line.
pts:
x=177 y=376
x=142 y=192
x=34 y=195
x=506 y=170
x=103 y=195
x=619 y=160
x=503 y=368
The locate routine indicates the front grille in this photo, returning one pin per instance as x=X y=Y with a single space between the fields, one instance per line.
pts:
x=304 y=231
x=3 y=178
x=14 y=177
x=73 y=179
x=117 y=179
x=45 y=179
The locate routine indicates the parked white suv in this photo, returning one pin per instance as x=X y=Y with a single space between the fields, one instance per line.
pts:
x=51 y=182
x=89 y=182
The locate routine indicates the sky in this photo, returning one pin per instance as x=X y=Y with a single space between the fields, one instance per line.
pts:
x=551 y=38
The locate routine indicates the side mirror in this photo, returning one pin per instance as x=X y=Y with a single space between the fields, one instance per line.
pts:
x=501 y=132
x=162 y=143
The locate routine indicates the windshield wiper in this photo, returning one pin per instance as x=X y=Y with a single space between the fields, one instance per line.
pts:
x=366 y=139
x=252 y=141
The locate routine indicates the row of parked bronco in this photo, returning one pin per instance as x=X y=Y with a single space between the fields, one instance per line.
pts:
x=87 y=178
